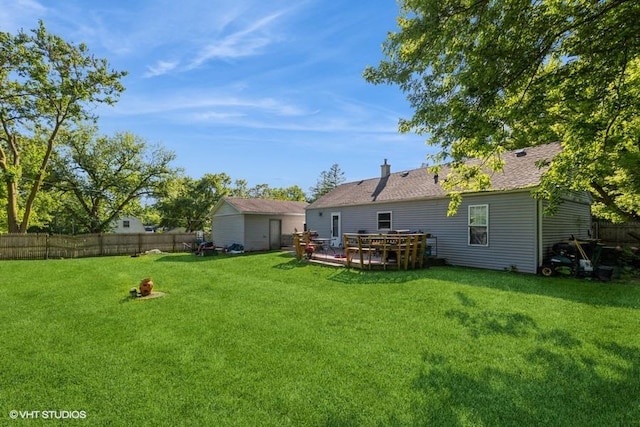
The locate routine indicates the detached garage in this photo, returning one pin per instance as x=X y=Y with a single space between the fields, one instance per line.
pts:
x=256 y=224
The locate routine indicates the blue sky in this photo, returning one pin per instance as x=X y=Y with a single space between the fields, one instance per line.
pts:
x=267 y=91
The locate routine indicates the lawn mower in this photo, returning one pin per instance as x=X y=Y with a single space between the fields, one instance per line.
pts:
x=573 y=258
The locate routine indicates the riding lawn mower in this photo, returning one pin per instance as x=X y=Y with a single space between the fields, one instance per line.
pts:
x=575 y=258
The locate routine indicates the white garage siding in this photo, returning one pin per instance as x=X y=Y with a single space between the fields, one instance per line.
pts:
x=247 y=221
x=227 y=230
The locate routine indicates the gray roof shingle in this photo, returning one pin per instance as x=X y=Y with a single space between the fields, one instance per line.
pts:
x=265 y=206
x=519 y=172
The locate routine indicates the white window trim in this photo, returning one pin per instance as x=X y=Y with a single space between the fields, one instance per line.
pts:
x=390 y=220
x=469 y=225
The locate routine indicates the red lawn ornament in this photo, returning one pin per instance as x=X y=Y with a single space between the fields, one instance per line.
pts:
x=309 y=250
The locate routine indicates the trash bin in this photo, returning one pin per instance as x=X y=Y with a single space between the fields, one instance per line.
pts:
x=427 y=250
x=604 y=273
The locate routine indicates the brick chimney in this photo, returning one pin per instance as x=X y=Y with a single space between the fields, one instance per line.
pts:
x=385 y=170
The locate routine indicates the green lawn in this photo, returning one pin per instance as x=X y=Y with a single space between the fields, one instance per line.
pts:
x=267 y=340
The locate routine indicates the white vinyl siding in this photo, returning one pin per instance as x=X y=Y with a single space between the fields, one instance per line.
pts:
x=512 y=221
x=227 y=230
x=251 y=230
x=512 y=217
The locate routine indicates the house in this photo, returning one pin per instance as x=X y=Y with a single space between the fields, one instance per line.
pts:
x=504 y=228
x=128 y=224
x=256 y=224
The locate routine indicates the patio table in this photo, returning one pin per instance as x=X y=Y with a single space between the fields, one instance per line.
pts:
x=323 y=243
x=407 y=248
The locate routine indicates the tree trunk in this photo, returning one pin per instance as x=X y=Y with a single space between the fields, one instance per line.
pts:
x=37 y=183
x=12 y=207
x=10 y=166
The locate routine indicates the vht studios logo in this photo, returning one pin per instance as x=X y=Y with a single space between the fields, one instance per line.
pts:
x=48 y=415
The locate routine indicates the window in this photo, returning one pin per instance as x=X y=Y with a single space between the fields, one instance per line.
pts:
x=479 y=225
x=125 y=224
x=335 y=225
x=384 y=220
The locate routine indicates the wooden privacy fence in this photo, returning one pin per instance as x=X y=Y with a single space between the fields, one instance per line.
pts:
x=627 y=234
x=43 y=246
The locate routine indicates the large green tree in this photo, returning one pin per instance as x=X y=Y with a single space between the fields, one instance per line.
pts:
x=484 y=76
x=188 y=202
x=293 y=193
x=241 y=188
x=45 y=84
x=100 y=178
x=327 y=181
x=45 y=202
x=263 y=191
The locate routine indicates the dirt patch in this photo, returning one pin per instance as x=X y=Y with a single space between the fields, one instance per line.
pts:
x=153 y=294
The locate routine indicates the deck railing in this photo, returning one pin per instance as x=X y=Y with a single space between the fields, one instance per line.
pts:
x=387 y=250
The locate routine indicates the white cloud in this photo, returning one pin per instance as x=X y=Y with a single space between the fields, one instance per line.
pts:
x=201 y=103
x=216 y=116
x=326 y=113
x=161 y=67
x=245 y=42
x=17 y=15
x=248 y=38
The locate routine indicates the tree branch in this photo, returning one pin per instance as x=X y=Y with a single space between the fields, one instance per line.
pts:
x=606 y=199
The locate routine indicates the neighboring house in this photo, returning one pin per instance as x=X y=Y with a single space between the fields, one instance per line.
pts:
x=504 y=228
x=256 y=224
x=128 y=224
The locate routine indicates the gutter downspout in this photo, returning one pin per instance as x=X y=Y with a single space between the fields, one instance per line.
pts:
x=539 y=235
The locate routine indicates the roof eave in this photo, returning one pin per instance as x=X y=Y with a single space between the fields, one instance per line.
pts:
x=415 y=199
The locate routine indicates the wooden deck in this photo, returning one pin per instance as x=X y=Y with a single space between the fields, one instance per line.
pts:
x=399 y=251
x=368 y=251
